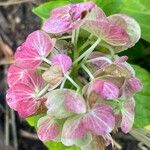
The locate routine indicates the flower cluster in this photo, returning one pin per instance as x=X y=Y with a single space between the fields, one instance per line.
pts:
x=85 y=90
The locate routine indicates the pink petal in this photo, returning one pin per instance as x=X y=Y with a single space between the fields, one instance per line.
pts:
x=63 y=60
x=48 y=129
x=55 y=104
x=96 y=13
x=100 y=120
x=67 y=18
x=105 y=89
x=27 y=58
x=22 y=97
x=128 y=24
x=127 y=115
x=54 y=76
x=15 y=75
x=73 y=133
x=107 y=31
x=132 y=86
x=99 y=63
x=77 y=10
x=57 y=25
x=74 y=102
x=40 y=42
x=121 y=59
x=116 y=70
x=62 y=103
x=37 y=45
x=135 y=84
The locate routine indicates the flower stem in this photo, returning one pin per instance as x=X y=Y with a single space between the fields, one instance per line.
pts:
x=86 y=54
x=73 y=82
x=88 y=72
x=85 y=44
x=73 y=36
x=65 y=37
x=109 y=48
x=46 y=60
x=64 y=81
x=42 y=68
x=43 y=91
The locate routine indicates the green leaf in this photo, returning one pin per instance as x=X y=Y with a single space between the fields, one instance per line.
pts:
x=43 y=10
x=59 y=146
x=110 y=6
x=142 y=117
x=34 y=119
x=140 y=11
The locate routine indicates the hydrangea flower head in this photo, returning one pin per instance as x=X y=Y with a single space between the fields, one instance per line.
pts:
x=83 y=90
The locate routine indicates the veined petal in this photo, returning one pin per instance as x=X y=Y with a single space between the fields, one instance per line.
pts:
x=55 y=104
x=27 y=58
x=62 y=103
x=57 y=25
x=16 y=74
x=74 y=102
x=67 y=18
x=37 y=45
x=130 y=25
x=105 y=89
x=63 y=60
x=96 y=13
x=102 y=59
x=132 y=86
x=107 y=31
x=127 y=115
x=54 y=76
x=23 y=97
x=80 y=10
x=40 y=42
x=100 y=120
x=116 y=70
x=135 y=84
x=48 y=129
x=20 y=97
x=74 y=133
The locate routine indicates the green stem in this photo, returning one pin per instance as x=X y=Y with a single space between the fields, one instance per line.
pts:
x=65 y=37
x=109 y=48
x=76 y=37
x=88 y=72
x=46 y=60
x=86 y=54
x=73 y=36
x=64 y=81
x=85 y=44
x=43 y=91
x=73 y=82
x=42 y=68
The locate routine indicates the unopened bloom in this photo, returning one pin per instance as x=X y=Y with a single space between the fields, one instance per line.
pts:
x=60 y=65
